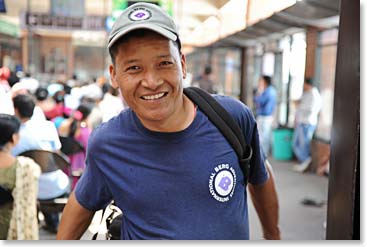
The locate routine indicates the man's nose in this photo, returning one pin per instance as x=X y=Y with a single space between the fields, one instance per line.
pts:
x=151 y=80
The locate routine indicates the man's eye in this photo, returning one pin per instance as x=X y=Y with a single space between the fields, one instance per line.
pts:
x=133 y=68
x=165 y=63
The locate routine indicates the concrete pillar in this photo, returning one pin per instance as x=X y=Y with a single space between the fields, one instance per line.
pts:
x=25 y=52
x=311 y=46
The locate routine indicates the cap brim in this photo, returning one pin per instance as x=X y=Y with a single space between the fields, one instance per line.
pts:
x=166 y=33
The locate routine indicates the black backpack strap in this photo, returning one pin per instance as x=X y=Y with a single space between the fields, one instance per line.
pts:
x=225 y=123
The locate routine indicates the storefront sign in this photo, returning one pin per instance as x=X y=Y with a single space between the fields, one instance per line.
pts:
x=47 y=21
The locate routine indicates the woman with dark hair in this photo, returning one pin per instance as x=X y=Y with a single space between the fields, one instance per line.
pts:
x=19 y=177
x=76 y=127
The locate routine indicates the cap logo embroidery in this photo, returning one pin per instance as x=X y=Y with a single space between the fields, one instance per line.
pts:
x=140 y=14
x=222 y=182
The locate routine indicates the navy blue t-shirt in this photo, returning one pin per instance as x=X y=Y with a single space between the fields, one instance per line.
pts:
x=181 y=185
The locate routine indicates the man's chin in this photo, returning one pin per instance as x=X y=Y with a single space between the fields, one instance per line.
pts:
x=153 y=116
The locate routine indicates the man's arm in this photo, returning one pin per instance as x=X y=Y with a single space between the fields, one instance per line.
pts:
x=74 y=221
x=265 y=200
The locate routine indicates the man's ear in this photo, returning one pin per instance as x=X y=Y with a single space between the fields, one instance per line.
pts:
x=183 y=65
x=113 y=76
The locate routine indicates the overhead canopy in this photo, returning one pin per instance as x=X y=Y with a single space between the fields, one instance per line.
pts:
x=317 y=13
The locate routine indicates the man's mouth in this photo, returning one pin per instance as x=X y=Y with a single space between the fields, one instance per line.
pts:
x=154 y=96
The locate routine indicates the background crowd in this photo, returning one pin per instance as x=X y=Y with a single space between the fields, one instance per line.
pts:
x=50 y=117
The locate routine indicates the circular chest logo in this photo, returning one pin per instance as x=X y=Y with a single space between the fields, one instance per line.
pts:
x=222 y=182
x=140 y=14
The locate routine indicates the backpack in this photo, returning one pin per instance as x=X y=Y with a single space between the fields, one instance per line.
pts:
x=225 y=124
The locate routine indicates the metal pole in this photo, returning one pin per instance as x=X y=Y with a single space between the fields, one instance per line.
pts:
x=289 y=84
x=30 y=40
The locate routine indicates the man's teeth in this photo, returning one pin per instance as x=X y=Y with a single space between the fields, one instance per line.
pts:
x=152 y=97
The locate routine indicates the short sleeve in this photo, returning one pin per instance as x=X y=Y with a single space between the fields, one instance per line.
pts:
x=91 y=190
x=245 y=118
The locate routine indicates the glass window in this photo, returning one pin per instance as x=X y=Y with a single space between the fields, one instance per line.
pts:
x=297 y=59
x=325 y=79
x=268 y=64
x=196 y=63
x=250 y=75
x=226 y=64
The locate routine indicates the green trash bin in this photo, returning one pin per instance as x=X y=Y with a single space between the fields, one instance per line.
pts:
x=282 y=144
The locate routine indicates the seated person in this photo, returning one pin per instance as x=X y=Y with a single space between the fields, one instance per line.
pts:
x=40 y=134
x=18 y=175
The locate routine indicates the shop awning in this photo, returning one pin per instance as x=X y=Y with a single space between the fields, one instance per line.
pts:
x=321 y=14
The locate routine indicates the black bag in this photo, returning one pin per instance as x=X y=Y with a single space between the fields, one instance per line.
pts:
x=225 y=124
x=114 y=228
x=113 y=222
x=5 y=196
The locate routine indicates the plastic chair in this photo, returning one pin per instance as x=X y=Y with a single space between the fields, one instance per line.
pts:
x=70 y=146
x=48 y=160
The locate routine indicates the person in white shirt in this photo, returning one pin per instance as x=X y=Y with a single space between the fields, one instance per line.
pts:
x=29 y=82
x=111 y=104
x=35 y=133
x=307 y=112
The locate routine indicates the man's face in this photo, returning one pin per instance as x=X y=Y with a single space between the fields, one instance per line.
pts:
x=149 y=72
x=261 y=85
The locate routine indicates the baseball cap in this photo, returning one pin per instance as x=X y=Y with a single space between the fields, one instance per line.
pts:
x=143 y=16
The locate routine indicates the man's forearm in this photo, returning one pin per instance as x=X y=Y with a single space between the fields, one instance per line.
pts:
x=74 y=221
x=265 y=200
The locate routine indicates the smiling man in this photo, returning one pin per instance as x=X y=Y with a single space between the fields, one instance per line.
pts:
x=148 y=68
x=166 y=166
